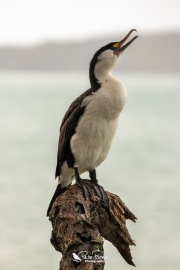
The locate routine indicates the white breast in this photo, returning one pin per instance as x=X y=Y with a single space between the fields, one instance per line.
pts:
x=96 y=129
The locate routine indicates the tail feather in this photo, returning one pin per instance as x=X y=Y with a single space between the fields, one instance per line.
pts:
x=57 y=192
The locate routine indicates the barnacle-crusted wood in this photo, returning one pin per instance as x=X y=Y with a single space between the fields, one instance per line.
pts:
x=79 y=225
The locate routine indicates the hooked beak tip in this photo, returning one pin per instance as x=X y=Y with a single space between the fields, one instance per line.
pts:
x=123 y=46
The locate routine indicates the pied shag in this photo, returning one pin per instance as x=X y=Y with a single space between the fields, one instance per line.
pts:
x=90 y=123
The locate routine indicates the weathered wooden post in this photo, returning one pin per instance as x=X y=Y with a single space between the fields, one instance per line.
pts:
x=80 y=225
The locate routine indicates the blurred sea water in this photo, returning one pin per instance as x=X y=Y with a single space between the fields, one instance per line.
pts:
x=143 y=166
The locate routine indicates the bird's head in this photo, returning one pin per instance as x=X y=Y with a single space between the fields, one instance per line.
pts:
x=106 y=58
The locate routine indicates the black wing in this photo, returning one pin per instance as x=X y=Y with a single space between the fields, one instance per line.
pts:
x=67 y=130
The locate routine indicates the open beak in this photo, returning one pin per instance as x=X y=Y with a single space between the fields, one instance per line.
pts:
x=121 y=47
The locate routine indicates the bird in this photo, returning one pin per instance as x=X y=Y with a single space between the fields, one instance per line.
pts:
x=76 y=258
x=89 y=125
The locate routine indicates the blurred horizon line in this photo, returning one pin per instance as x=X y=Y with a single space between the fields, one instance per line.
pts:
x=81 y=39
x=150 y=53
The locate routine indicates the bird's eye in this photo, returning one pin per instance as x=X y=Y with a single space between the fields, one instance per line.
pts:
x=98 y=59
x=115 y=46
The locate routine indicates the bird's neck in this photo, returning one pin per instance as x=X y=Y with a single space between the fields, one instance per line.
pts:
x=95 y=84
x=98 y=77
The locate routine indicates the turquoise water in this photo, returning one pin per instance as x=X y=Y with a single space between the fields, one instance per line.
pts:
x=143 y=167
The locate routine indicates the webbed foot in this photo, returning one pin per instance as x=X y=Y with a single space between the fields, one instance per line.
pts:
x=88 y=186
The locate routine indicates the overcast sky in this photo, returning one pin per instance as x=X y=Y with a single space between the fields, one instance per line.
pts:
x=34 y=21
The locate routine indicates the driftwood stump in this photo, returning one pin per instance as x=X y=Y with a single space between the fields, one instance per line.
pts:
x=79 y=226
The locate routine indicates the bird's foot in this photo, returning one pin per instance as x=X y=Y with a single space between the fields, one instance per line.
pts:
x=88 y=186
x=99 y=190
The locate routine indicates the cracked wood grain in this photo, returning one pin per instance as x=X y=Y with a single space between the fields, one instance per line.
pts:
x=80 y=225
